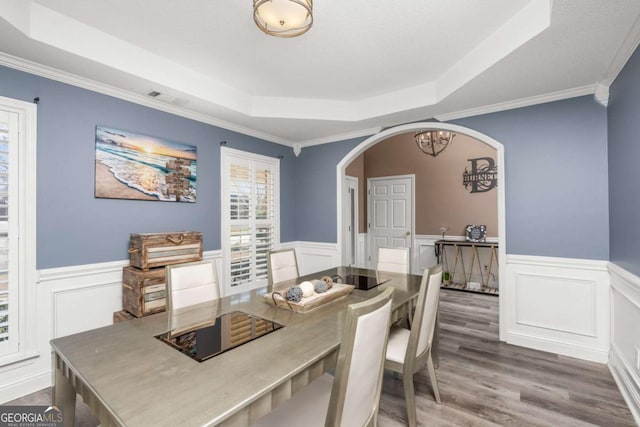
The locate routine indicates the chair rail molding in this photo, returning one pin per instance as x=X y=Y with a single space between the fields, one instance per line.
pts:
x=624 y=361
x=559 y=305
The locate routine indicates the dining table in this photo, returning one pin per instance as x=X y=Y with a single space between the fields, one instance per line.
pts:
x=130 y=377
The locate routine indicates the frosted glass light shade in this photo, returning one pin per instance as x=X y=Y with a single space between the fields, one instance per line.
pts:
x=283 y=18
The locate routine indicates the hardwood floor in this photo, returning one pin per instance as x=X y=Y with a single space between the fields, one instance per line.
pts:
x=484 y=382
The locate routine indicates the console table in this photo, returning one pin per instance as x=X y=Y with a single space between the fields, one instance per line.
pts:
x=458 y=247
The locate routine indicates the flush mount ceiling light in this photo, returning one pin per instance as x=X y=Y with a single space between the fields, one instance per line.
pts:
x=433 y=142
x=283 y=18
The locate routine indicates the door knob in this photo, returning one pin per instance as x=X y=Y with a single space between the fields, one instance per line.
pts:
x=408 y=233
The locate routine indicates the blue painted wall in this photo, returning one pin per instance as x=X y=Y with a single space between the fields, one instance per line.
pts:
x=73 y=227
x=556 y=179
x=624 y=172
x=556 y=170
x=316 y=210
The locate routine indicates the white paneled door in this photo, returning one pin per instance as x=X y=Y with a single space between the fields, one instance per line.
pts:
x=390 y=219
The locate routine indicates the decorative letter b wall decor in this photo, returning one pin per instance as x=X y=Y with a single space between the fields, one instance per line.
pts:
x=482 y=177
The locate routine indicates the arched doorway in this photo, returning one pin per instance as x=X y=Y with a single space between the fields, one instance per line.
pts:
x=413 y=127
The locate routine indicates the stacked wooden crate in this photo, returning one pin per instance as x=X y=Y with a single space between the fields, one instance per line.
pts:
x=144 y=286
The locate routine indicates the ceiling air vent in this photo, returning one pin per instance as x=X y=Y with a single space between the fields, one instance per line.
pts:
x=161 y=96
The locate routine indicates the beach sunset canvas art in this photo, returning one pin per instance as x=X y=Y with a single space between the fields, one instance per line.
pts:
x=141 y=167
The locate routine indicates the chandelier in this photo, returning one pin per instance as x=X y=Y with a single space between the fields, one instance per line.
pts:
x=283 y=18
x=433 y=142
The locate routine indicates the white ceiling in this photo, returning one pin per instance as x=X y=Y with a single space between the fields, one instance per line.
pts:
x=365 y=64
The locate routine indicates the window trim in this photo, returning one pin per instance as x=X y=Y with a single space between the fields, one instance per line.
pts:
x=227 y=155
x=27 y=302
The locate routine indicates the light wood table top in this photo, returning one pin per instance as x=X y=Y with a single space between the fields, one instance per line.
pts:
x=129 y=377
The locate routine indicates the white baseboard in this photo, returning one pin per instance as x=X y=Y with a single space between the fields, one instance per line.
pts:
x=26 y=385
x=625 y=339
x=558 y=305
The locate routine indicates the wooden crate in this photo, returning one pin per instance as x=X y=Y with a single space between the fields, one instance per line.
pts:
x=122 y=316
x=144 y=292
x=148 y=250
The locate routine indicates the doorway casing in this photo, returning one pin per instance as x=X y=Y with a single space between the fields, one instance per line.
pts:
x=413 y=127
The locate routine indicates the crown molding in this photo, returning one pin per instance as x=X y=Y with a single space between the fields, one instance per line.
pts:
x=601 y=94
x=51 y=73
x=341 y=137
x=518 y=103
x=629 y=45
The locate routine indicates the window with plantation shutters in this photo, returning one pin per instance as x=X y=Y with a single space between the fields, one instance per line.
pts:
x=5 y=304
x=17 y=230
x=249 y=217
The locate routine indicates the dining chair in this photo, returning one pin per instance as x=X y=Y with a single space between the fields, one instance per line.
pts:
x=409 y=350
x=191 y=283
x=282 y=266
x=352 y=397
x=394 y=260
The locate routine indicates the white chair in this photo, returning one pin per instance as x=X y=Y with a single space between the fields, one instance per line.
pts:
x=191 y=283
x=352 y=397
x=409 y=350
x=282 y=266
x=393 y=260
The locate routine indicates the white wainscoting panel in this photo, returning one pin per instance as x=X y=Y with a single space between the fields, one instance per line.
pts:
x=624 y=359
x=535 y=308
x=83 y=297
x=314 y=256
x=558 y=305
x=423 y=252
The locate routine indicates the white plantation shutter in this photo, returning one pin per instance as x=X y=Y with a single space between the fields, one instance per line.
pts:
x=249 y=217
x=9 y=233
x=5 y=305
x=264 y=217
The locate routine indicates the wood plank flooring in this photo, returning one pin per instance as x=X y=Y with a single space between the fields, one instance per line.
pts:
x=484 y=382
x=463 y=287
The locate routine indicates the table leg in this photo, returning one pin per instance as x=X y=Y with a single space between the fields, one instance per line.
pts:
x=64 y=395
